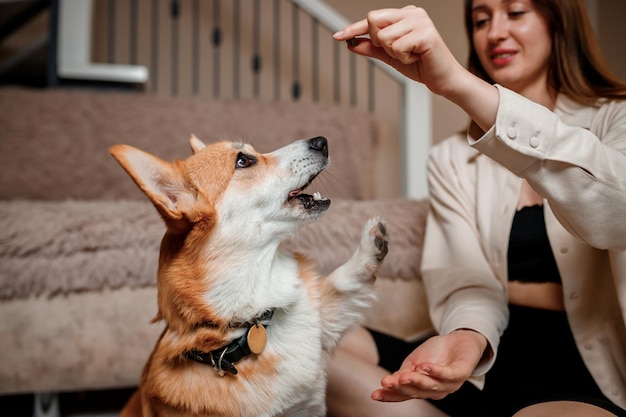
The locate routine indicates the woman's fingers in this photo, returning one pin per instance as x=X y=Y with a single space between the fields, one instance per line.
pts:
x=375 y=21
x=399 y=45
x=407 y=40
x=403 y=385
x=393 y=37
x=432 y=381
x=388 y=396
x=359 y=28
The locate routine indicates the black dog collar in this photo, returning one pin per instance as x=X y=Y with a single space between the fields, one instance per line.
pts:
x=224 y=358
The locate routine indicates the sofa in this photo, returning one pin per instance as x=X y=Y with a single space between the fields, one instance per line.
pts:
x=79 y=242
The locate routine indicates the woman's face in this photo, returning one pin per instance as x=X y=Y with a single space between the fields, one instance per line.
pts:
x=513 y=43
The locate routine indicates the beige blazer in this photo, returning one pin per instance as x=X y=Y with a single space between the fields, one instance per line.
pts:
x=575 y=157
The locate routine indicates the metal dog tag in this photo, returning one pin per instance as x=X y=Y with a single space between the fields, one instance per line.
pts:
x=257 y=338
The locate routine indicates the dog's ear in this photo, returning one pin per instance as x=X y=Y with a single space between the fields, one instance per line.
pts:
x=162 y=182
x=196 y=144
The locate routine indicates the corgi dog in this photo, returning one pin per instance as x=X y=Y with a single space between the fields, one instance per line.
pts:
x=248 y=322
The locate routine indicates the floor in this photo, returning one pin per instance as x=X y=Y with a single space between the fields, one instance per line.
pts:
x=106 y=403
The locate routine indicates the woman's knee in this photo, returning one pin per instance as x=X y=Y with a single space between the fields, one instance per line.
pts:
x=360 y=343
x=563 y=409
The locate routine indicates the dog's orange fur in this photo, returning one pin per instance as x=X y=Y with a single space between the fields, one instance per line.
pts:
x=195 y=258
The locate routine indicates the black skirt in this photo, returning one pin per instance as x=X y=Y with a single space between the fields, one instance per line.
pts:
x=537 y=361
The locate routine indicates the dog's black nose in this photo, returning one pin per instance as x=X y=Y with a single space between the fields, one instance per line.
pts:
x=319 y=144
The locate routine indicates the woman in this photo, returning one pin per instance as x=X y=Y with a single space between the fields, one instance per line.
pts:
x=524 y=258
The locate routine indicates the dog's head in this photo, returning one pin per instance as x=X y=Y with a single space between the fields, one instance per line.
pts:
x=236 y=189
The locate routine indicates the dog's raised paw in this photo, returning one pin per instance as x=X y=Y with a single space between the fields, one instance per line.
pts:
x=374 y=239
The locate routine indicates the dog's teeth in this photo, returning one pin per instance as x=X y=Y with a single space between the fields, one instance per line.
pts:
x=317 y=196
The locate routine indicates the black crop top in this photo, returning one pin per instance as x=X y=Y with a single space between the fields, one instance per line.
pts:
x=530 y=257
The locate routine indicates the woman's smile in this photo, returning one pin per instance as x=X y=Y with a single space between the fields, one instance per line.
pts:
x=502 y=56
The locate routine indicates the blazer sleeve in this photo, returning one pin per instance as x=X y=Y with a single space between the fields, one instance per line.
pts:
x=581 y=174
x=462 y=289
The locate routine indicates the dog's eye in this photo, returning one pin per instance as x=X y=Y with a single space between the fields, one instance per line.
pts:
x=244 y=161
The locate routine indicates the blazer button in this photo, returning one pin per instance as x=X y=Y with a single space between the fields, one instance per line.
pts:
x=534 y=142
x=511 y=133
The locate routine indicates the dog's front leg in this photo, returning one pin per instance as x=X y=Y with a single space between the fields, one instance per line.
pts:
x=347 y=290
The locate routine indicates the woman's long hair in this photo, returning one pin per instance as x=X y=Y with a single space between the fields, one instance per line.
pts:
x=577 y=67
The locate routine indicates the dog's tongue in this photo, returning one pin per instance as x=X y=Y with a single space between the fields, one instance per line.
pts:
x=294 y=192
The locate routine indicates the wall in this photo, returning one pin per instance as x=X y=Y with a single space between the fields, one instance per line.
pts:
x=612 y=34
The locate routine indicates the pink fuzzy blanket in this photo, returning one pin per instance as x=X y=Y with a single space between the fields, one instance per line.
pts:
x=50 y=248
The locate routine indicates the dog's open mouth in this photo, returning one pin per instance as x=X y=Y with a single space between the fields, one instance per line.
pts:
x=309 y=202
